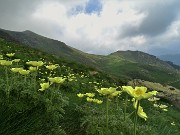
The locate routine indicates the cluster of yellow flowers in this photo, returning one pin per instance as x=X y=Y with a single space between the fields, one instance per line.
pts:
x=109 y=92
x=20 y=71
x=90 y=98
x=161 y=106
x=5 y=63
x=71 y=77
x=34 y=65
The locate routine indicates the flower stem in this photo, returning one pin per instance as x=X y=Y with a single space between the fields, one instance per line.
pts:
x=125 y=105
x=35 y=75
x=7 y=83
x=135 y=119
x=107 y=113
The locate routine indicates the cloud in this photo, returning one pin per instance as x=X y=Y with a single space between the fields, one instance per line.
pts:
x=98 y=26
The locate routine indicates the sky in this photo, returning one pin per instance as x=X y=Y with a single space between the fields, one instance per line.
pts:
x=99 y=26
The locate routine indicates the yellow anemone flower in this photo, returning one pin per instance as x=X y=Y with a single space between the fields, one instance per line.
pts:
x=114 y=94
x=16 y=70
x=163 y=106
x=52 y=67
x=99 y=101
x=139 y=92
x=153 y=99
x=173 y=123
x=141 y=113
x=80 y=95
x=5 y=63
x=16 y=60
x=44 y=86
x=35 y=63
x=24 y=72
x=32 y=69
x=165 y=110
x=10 y=54
x=1 y=56
x=57 y=80
x=89 y=99
x=110 y=92
x=107 y=91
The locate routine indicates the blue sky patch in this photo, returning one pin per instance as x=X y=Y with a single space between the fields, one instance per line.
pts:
x=93 y=6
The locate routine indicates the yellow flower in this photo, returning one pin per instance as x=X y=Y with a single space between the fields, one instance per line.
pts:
x=10 y=54
x=139 y=92
x=99 y=102
x=165 y=110
x=16 y=70
x=33 y=69
x=57 y=80
x=16 y=60
x=141 y=113
x=1 y=56
x=44 y=86
x=35 y=63
x=89 y=99
x=155 y=105
x=114 y=94
x=5 y=63
x=52 y=67
x=110 y=92
x=24 y=72
x=107 y=91
x=80 y=95
x=173 y=123
x=153 y=99
x=163 y=106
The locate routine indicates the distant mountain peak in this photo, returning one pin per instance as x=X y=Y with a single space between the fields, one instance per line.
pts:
x=27 y=31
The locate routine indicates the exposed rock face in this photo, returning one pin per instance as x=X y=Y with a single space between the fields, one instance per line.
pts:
x=167 y=93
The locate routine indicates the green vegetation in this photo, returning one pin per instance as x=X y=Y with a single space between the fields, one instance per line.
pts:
x=36 y=102
x=126 y=65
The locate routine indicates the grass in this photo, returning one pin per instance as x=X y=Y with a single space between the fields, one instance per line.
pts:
x=57 y=110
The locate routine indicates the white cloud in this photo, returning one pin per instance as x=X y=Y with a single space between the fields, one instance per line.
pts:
x=119 y=25
x=90 y=31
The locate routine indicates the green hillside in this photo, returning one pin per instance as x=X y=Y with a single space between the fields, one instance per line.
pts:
x=139 y=65
x=34 y=104
x=121 y=64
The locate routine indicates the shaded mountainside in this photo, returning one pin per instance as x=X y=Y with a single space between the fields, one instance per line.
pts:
x=51 y=46
x=173 y=58
x=121 y=64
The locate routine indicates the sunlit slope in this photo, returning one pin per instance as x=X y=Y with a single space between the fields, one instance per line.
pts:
x=121 y=64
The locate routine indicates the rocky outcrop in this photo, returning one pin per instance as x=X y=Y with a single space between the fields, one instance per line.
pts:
x=166 y=93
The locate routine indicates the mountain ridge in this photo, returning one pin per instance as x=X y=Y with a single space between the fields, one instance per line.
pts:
x=123 y=64
x=175 y=58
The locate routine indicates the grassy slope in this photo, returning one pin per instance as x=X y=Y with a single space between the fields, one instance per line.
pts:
x=122 y=64
x=128 y=67
x=73 y=118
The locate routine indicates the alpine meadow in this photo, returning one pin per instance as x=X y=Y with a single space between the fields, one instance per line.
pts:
x=89 y=67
